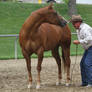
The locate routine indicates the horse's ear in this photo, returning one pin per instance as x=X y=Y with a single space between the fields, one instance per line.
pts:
x=50 y=6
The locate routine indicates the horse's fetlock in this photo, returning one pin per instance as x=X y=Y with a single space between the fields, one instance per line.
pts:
x=68 y=78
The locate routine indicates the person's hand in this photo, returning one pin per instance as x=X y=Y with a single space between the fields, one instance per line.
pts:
x=76 y=42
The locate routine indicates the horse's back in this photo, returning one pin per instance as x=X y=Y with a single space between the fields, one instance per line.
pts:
x=55 y=32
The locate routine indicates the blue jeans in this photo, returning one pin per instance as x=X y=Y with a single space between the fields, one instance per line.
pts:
x=86 y=67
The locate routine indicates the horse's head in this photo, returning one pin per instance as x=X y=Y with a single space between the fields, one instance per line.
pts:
x=49 y=15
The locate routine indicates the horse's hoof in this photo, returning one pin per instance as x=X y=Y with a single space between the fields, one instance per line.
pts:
x=38 y=86
x=29 y=85
x=58 y=83
x=67 y=84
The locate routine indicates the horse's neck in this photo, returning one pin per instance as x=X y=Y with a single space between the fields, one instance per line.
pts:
x=32 y=24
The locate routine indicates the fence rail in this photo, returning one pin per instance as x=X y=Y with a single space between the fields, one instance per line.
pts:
x=15 y=44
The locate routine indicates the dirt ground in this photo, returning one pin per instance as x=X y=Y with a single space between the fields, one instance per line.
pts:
x=13 y=76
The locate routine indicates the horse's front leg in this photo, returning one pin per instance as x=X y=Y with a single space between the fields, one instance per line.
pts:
x=40 y=58
x=28 y=63
x=56 y=55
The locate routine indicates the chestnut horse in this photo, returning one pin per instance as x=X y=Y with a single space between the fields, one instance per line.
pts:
x=37 y=38
x=53 y=37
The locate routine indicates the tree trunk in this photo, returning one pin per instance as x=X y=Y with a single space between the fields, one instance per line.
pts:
x=4 y=0
x=72 y=10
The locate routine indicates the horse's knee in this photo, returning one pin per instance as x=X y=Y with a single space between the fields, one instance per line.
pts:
x=68 y=64
x=39 y=68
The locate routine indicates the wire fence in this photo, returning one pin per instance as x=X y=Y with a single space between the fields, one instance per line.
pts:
x=16 y=36
x=15 y=44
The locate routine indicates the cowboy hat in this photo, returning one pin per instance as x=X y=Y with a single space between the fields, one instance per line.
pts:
x=76 y=18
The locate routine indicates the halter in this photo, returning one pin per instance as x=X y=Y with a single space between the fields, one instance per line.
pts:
x=63 y=23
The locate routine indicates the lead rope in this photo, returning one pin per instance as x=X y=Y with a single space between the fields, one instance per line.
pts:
x=74 y=64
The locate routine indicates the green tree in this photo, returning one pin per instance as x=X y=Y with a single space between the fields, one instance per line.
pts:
x=71 y=6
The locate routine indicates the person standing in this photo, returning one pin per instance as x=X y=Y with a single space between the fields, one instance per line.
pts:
x=84 y=34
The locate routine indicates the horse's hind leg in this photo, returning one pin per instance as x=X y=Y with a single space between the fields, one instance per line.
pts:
x=56 y=55
x=28 y=63
x=40 y=58
x=67 y=61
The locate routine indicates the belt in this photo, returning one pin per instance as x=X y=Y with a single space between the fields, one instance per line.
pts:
x=90 y=47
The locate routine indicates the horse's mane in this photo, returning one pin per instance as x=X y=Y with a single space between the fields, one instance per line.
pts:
x=34 y=15
x=41 y=10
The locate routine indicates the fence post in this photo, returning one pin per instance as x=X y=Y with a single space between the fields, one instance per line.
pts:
x=16 y=57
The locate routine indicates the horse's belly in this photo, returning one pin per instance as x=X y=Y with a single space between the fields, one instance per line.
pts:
x=51 y=46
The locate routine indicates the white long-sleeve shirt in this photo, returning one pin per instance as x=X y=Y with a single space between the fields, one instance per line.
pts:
x=84 y=34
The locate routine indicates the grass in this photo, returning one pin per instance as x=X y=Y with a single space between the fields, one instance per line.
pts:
x=13 y=15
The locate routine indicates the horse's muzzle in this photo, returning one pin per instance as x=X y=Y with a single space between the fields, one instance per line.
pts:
x=63 y=23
